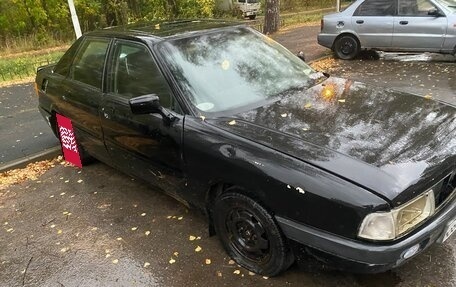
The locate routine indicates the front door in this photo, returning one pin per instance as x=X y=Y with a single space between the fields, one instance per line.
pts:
x=141 y=145
x=415 y=29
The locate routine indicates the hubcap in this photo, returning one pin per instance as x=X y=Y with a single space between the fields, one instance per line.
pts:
x=347 y=47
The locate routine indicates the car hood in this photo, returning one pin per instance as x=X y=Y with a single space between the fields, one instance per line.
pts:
x=392 y=143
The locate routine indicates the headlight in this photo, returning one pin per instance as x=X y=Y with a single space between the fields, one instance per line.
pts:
x=390 y=225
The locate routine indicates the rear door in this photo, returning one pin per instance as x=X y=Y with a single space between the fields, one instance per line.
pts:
x=82 y=92
x=373 y=22
x=415 y=29
x=141 y=145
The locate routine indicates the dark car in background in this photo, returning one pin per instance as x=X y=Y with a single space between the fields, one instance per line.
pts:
x=275 y=154
x=391 y=25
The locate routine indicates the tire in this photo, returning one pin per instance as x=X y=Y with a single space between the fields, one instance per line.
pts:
x=252 y=17
x=346 y=47
x=250 y=235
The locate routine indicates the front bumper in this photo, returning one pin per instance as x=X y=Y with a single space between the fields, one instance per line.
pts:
x=365 y=257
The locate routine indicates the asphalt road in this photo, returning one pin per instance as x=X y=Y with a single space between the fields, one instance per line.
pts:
x=22 y=129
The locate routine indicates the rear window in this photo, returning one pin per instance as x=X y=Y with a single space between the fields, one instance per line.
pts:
x=375 y=8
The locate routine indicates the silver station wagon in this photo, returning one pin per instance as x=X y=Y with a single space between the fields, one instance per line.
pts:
x=391 y=25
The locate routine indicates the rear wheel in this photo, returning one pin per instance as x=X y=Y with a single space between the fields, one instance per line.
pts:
x=346 y=47
x=250 y=235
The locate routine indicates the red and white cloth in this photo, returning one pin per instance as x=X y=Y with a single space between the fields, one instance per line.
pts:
x=68 y=141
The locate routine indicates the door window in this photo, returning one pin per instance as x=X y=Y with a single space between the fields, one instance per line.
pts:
x=89 y=63
x=415 y=7
x=135 y=73
x=375 y=8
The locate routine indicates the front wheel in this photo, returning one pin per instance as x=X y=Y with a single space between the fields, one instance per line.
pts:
x=346 y=47
x=250 y=235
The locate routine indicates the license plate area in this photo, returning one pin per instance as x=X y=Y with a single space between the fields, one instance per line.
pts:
x=449 y=229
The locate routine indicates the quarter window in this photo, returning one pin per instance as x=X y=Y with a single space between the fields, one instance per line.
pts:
x=88 y=65
x=134 y=73
x=375 y=8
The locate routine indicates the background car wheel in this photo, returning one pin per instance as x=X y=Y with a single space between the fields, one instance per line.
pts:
x=250 y=235
x=252 y=17
x=346 y=47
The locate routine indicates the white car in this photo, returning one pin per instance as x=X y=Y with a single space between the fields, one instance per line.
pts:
x=391 y=25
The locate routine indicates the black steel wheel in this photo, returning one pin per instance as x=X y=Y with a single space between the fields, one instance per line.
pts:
x=346 y=47
x=250 y=235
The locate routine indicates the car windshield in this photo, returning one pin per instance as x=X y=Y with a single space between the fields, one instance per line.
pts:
x=451 y=4
x=232 y=68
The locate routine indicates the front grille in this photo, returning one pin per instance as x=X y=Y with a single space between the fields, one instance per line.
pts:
x=444 y=189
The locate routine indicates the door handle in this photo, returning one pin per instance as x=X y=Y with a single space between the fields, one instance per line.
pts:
x=359 y=21
x=403 y=22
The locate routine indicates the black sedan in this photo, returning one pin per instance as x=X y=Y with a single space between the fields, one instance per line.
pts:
x=274 y=153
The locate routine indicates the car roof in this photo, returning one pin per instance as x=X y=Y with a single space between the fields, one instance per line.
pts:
x=163 y=29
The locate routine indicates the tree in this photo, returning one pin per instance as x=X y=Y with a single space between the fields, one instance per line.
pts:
x=271 y=19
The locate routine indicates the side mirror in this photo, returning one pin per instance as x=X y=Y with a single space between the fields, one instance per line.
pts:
x=301 y=55
x=435 y=13
x=149 y=104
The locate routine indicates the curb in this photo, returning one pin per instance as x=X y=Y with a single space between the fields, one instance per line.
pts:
x=22 y=162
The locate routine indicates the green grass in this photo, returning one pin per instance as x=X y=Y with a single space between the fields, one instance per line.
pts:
x=23 y=66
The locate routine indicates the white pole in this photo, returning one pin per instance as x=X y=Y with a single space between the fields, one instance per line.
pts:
x=74 y=18
x=337 y=5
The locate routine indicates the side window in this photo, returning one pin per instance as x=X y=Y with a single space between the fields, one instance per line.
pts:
x=135 y=73
x=89 y=62
x=415 y=7
x=64 y=64
x=375 y=8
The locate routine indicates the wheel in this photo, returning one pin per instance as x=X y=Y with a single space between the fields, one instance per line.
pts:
x=346 y=47
x=252 y=17
x=250 y=235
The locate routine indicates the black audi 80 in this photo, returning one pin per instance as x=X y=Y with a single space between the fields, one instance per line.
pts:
x=282 y=159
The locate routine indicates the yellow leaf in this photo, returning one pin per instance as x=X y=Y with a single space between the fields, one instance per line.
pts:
x=283 y=115
x=171 y=261
x=180 y=218
x=231 y=262
x=143 y=214
x=191 y=238
x=428 y=97
x=208 y=261
x=342 y=101
x=251 y=273
x=232 y=123
x=308 y=105
x=59 y=231
x=176 y=253
x=134 y=228
x=198 y=248
x=119 y=238
x=79 y=181
x=237 y=271
x=146 y=264
x=115 y=261
x=147 y=232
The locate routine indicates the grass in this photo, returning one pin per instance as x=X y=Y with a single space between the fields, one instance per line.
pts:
x=14 y=68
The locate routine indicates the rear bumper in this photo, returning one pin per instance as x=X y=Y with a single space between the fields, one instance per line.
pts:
x=365 y=257
x=326 y=40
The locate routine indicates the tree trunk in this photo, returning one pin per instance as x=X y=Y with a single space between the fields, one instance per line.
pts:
x=271 y=19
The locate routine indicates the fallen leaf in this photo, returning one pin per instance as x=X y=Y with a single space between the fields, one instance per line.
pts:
x=146 y=264
x=176 y=253
x=115 y=261
x=231 y=262
x=283 y=115
x=79 y=181
x=265 y=277
x=198 y=248
x=169 y=216
x=64 y=249
x=191 y=238
x=208 y=261
x=59 y=231
x=232 y=123
x=108 y=255
x=52 y=225
x=219 y=274
x=428 y=97
x=342 y=101
x=134 y=228
x=143 y=214
x=237 y=271
x=119 y=238
x=251 y=273
x=171 y=261
x=10 y=230
x=308 y=105
x=180 y=218
x=63 y=193
x=147 y=232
